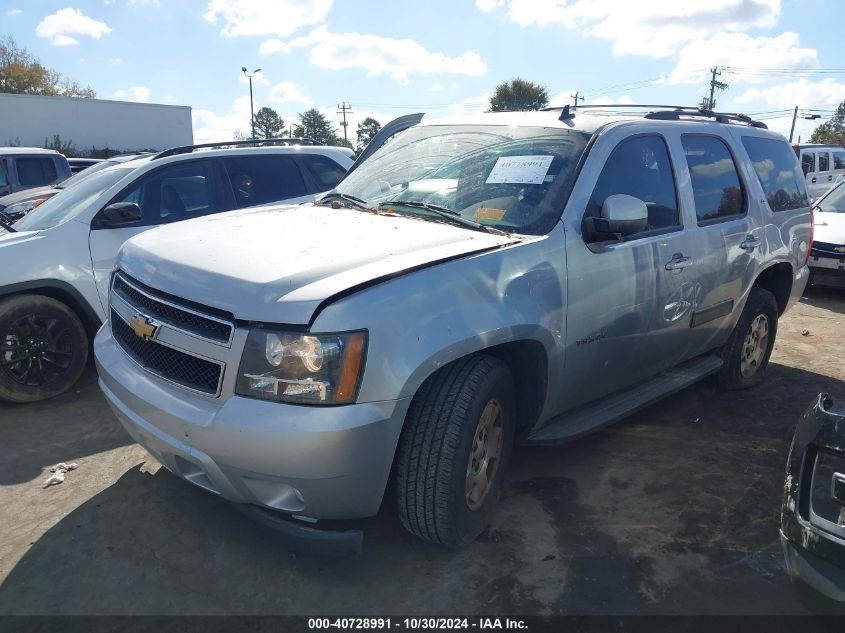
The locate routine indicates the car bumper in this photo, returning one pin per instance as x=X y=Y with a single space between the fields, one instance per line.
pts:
x=313 y=462
x=799 y=284
x=824 y=577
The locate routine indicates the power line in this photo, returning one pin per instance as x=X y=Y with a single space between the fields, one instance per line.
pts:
x=344 y=109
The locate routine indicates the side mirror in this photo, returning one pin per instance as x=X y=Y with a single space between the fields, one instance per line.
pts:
x=621 y=215
x=120 y=214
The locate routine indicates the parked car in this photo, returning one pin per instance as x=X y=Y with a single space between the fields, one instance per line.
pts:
x=812 y=529
x=26 y=167
x=57 y=261
x=81 y=164
x=16 y=205
x=477 y=281
x=823 y=165
x=827 y=261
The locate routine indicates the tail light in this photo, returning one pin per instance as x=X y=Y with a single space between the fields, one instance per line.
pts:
x=812 y=234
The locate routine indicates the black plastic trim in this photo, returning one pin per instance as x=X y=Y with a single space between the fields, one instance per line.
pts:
x=89 y=315
x=700 y=317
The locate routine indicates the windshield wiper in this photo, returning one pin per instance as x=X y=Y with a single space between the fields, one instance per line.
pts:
x=355 y=202
x=6 y=223
x=444 y=212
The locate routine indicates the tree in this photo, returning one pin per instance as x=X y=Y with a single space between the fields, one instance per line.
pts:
x=832 y=131
x=367 y=129
x=63 y=147
x=518 y=94
x=268 y=124
x=22 y=73
x=313 y=124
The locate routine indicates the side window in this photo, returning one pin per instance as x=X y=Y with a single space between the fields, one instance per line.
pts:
x=262 y=179
x=839 y=160
x=777 y=169
x=3 y=180
x=808 y=162
x=34 y=171
x=640 y=167
x=325 y=171
x=176 y=193
x=715 y=182
x=824 y=161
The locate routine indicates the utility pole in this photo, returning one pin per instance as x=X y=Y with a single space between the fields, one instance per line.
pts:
x=343 y=109
x=576 y=98
x=251 y=109
x=792 y=129
x=714 y=85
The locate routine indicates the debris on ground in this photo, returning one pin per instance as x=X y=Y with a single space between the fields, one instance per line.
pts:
x=59 y=471
x=805 y=332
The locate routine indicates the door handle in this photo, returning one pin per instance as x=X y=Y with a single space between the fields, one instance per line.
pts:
x=750 y=243
x=678 y=262
x=829 y=178
x=813 y=181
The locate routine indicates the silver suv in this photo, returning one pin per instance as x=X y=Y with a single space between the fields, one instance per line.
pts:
x=475 y=282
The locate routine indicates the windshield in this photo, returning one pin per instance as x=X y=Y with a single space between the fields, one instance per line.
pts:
x=510 y=178
x=85 y=173
x=834 y=202
x=69 y=203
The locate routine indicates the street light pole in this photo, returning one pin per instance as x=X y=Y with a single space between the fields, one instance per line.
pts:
x=251 y=108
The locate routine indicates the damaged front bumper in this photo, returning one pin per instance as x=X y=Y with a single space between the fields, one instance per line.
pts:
x=813 y=510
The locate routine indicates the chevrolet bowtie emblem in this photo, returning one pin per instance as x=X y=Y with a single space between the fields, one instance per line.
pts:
x=143 y=326
x=840 y=249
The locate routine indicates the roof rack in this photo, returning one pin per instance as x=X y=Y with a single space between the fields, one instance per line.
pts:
x=187 y=149
x=667 y=113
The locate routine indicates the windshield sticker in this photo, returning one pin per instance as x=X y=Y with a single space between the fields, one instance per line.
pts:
x=524 y=170
x=487 y=213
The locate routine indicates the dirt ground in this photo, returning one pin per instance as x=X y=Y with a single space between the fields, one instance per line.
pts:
x=672 y=511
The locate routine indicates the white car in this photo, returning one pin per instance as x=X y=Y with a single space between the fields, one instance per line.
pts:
x=55 y=263
x=823 y=165
x=827 y=259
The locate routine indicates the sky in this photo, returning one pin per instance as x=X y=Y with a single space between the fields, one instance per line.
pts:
x=440 y=57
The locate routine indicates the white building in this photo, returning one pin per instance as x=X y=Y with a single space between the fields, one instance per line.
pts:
x=93 y=123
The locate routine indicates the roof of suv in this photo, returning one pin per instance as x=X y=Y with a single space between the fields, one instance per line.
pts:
x=11 y=151
x=589 y=119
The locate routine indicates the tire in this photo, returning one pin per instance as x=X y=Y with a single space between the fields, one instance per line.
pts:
x=744 y=365
x=43 y=348
x=442 y=430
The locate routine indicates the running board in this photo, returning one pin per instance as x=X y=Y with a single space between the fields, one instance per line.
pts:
x=609 y=409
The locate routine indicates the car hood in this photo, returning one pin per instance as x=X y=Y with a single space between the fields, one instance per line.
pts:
x=26 y=195
x=278 y=264
x=829 y=227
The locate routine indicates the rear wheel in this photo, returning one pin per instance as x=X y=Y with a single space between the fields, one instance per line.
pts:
x=454 y=450
x=746 y=354
x=43 y=348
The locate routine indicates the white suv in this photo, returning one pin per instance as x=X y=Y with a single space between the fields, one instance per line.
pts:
x=56 y=262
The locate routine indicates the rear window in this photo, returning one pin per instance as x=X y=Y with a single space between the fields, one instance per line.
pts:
x=808 y=162
x=715 y=182
x=34 y=171
x=779 y=173
x=839 y=160
x=262 y=179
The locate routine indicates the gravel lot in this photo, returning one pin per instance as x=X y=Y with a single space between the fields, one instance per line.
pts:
x=672 y=511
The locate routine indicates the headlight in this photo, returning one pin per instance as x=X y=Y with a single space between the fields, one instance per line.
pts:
x=19 y=209
x=302 y=368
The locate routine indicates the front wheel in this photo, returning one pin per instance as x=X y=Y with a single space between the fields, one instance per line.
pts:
x=43 y=348
x=454 y=450
x=746 y=354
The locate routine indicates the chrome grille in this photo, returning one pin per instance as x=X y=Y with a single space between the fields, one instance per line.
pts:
x=166 y=362
x=177 y=316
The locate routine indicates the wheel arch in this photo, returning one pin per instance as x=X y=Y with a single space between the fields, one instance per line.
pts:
x=777 y=279
x=60 y=291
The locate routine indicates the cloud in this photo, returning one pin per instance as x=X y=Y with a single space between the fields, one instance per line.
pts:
x=471 y=105
x=486 y=6
x=266 y=17
x=651 y=28
x=274 y=45
x=151 y=3
x=396 y=58
x=116 y=61
x=210 y=127
x=258 y=80
x=824 y=94
x=742 y=52
x=61 y=25
x=135 y=93
x=288 y=92
x=13 y=12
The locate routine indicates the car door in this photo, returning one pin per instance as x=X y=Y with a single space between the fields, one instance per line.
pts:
x=728 y=239
x=174 y=192
x=838 y=165
x=626 y=308
x=264 y=179
x=824 y=174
